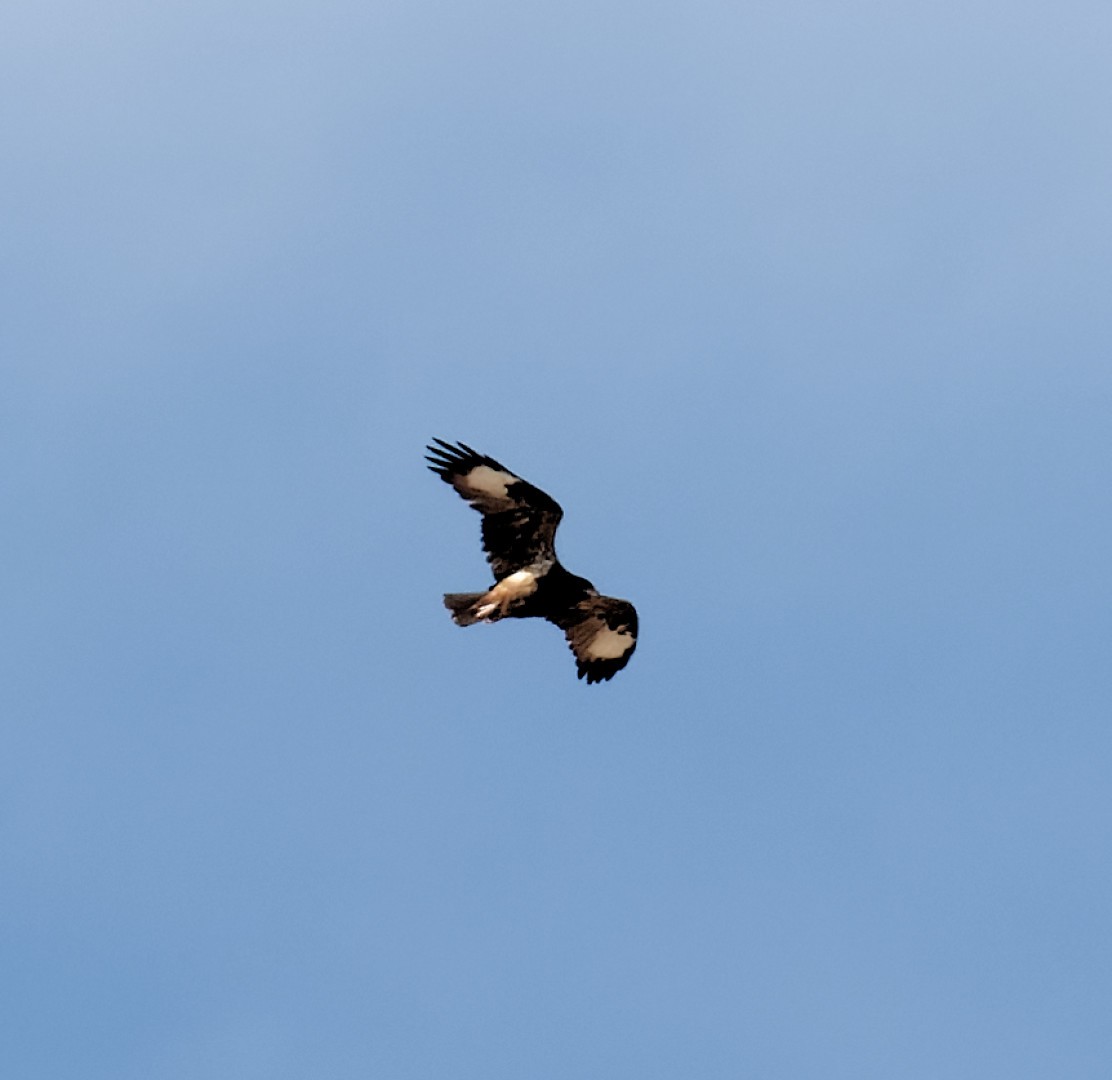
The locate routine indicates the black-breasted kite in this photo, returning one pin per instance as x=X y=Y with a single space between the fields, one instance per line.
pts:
x=519 y=538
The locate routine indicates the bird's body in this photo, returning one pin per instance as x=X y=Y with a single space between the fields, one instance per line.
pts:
x=519 y=528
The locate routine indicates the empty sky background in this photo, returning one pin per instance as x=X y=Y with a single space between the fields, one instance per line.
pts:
x=802 y=312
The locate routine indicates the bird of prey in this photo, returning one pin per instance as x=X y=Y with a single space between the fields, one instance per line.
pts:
x=519 y=538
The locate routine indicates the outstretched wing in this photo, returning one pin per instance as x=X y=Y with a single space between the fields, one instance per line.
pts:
x=519 y=520
x=602 y=632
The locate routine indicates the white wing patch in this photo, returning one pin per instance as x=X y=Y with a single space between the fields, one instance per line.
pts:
x=483 y=480
x=609 y=644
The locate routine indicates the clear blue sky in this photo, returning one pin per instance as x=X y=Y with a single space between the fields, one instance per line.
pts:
x=802 y=310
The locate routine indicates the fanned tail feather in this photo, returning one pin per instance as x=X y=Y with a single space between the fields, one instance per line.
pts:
x=462 y=607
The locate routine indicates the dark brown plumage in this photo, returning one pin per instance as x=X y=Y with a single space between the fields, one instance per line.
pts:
x=519 y=538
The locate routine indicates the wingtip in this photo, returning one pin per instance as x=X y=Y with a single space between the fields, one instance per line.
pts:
x=441 y=461
x=451 y=457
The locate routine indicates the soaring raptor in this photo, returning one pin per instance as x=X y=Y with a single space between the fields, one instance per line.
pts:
x=519 y=538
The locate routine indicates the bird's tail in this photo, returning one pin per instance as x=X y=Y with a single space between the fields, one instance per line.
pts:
x=463 y=607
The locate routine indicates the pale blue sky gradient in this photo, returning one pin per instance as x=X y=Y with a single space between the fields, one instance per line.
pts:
x=800 y=310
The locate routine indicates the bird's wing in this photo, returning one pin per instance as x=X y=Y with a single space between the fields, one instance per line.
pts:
x=602 y=632
x=519 y=520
